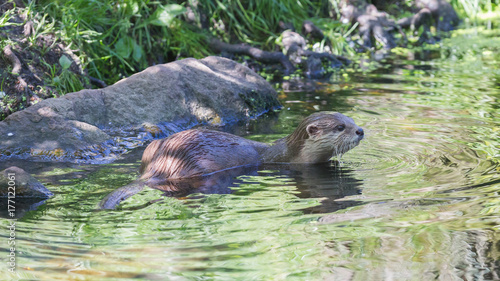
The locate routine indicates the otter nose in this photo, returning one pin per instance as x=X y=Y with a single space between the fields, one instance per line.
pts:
x=360 y=132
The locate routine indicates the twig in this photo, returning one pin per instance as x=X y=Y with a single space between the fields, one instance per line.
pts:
x=16 y=66
x=308 y=28
x=16 y=63
x=97 y=82
x=257 y=54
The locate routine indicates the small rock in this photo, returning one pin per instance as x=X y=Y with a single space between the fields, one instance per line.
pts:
x=16 y=182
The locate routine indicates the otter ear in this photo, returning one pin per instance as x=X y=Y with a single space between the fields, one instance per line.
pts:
x=312 y=130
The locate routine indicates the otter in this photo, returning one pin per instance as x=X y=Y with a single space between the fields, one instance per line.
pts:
x=201 y=152
x=207 y=161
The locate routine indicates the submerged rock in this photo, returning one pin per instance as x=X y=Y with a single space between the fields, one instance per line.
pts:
x=17 y=183
x=160 y=100
x=20 y=193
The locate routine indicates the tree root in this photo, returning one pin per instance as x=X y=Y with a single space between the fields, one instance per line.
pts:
x=373 y=24
x=294 y=46
x=340 y=60
x=16 y=63
x=255 y=53
x=376 y=25
x=97 y=82
x=444 y=16
x=28 y=29
x=16 y=67
x=237 y=49
x=421 y=19
x=311 y=30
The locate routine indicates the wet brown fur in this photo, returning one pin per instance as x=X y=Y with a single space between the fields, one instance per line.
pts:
x=199 y=152
x=323 y=121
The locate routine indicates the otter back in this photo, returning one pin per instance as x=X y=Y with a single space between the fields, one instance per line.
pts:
x=198 y=152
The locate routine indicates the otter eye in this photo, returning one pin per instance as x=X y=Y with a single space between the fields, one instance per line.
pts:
x=340 y=128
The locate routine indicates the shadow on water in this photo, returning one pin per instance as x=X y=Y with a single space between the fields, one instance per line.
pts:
x=325 y=181
x=22 y=206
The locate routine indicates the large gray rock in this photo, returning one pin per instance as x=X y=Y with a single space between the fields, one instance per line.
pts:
x=91 y=123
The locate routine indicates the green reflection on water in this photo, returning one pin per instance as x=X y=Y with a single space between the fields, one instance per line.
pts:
x=427 y=208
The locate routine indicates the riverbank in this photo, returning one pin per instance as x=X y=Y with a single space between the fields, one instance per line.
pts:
x=51 y=48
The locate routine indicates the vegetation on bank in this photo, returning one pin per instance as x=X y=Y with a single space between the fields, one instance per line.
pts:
x=69 y=45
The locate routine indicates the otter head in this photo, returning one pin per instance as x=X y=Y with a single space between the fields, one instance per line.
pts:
x=322 y=136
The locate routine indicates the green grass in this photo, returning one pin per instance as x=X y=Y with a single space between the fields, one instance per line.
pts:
x=118 y=38
x=475 y=10
x=114 y=39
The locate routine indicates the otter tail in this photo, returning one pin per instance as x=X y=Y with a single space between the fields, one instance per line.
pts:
x=114 y=198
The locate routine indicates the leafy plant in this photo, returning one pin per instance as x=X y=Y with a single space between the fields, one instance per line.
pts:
x=119 y=38
x=67 y=81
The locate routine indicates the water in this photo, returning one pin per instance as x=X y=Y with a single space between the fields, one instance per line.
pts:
x=417 y=200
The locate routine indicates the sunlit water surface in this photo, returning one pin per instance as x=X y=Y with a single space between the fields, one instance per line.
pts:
x=417 y=200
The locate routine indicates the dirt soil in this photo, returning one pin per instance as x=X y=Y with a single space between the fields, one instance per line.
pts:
x=29 y=61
